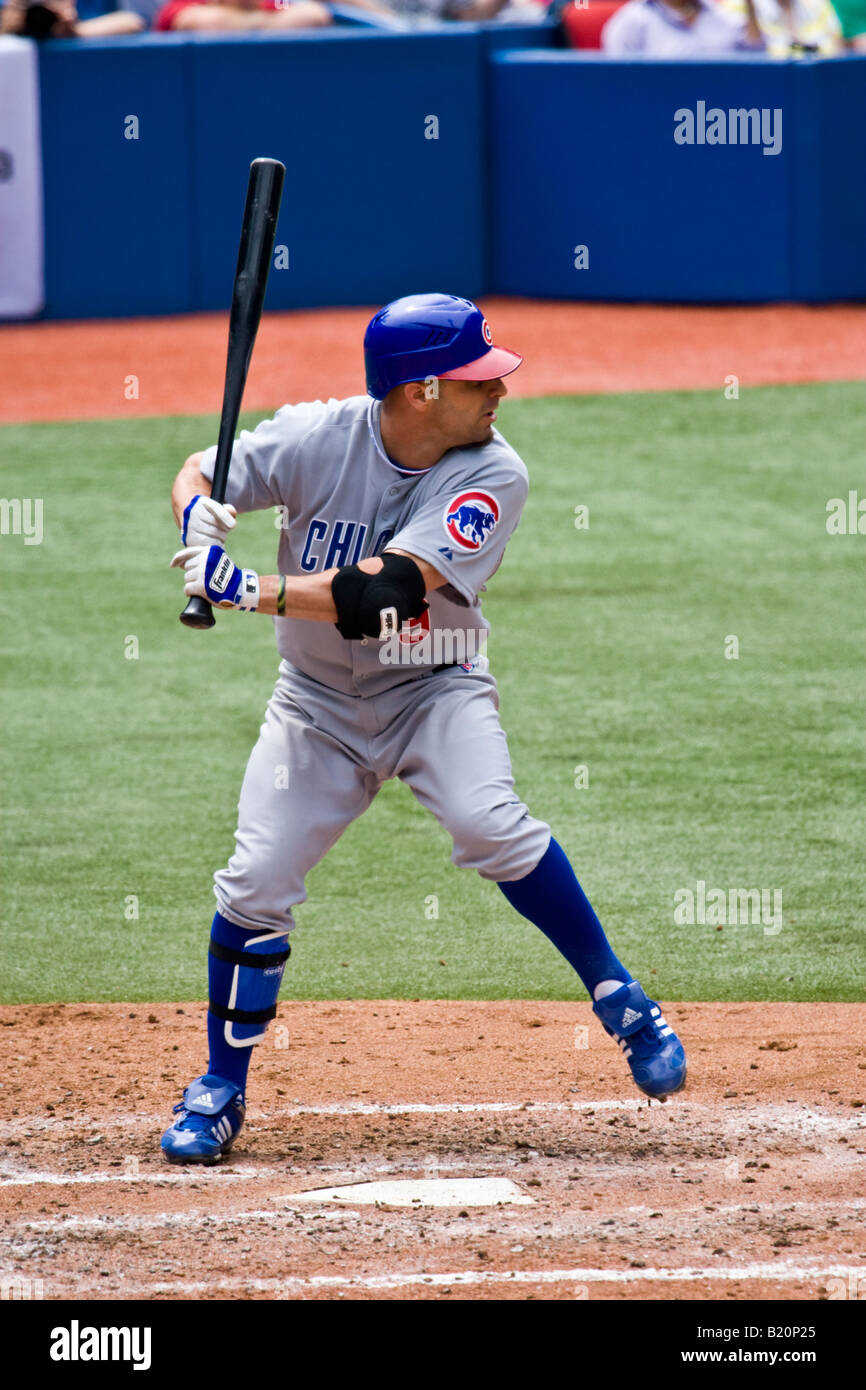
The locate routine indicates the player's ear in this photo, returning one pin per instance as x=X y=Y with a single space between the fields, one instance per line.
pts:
x=416 y=394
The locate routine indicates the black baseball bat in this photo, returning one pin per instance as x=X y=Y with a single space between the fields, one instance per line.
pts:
x=264 y=191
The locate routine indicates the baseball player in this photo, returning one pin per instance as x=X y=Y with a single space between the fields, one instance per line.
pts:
x=395 y=510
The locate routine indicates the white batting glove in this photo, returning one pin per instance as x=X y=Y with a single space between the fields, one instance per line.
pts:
x=210 y=573
x=206 y=522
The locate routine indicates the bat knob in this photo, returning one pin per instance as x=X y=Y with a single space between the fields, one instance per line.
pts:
x=198 y=613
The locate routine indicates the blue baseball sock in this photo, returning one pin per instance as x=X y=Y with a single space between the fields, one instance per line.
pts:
x=255 y=994
x=552 y=899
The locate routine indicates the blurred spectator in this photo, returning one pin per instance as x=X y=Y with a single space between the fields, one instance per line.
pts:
x=852 y=15
x=274 y=15
x=679 y=29
x=582 y=23
x=148 y=9
x=58 y=19
x=437 y=10
x=421 y=13
x=792 y=27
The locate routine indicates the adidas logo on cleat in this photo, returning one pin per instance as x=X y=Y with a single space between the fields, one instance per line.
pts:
x=654 y=1053
x=210 y=1121
x=630 y=1016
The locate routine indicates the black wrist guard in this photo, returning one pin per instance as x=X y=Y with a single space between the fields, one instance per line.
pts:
x=359 y=597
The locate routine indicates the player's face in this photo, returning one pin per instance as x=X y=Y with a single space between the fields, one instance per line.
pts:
x=466 y=410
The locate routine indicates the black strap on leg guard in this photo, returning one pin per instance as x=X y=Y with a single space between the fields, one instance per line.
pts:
x=360 y=597
x=242 y=1015
x=250 y=958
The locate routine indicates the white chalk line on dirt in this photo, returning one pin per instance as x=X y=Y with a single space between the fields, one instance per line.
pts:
x=777 y=1273
x=486 y=1107
x=198 y=1174
x=788 y=1114
x=170 y=1219
x=52 y=1125
x=54 y=1225
x=775 y=1117
x=184 y=1177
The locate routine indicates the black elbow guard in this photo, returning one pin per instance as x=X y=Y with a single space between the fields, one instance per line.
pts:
x=360 y=597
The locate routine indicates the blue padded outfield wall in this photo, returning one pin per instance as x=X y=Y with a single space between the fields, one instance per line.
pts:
x=659 y=220
x=119 y=213
x=151 y=225
x=370 y=203
x=540 y=150
x=662 y=220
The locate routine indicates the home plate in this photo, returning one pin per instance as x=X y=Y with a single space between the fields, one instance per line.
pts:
x=420 y=1192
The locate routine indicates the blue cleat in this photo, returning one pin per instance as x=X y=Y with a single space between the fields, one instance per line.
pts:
x=211 y=1114
x=650 y=1046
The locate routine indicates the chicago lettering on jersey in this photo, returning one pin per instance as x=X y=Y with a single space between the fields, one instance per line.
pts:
x=340 y=542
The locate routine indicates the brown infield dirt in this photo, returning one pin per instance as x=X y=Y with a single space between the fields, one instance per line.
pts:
x=746 y=1185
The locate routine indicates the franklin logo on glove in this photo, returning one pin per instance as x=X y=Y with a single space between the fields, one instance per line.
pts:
x=222 y=575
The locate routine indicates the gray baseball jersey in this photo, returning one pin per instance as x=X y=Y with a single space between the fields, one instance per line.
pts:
x=348 y=715
x=342 y=500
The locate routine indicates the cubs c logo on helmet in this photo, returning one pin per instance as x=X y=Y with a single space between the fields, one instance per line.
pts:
x=488 y=336
x=470 y=518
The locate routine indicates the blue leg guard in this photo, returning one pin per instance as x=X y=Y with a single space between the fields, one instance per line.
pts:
x=245 y=971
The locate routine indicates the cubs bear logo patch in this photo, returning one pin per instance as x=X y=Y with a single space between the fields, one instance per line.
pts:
x=470 y=518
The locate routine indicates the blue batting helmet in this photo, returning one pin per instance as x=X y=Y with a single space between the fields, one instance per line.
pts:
x=431 y=335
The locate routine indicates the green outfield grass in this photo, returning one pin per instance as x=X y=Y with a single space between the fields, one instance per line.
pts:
x=707 y=519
